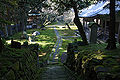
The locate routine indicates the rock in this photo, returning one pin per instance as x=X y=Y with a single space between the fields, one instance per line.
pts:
x=15 y=44
x=30 y=39
x=36 y=33
x=24 y=36
x=100 y=68
x=29 y=26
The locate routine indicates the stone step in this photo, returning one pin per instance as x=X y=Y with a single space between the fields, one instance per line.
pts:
x=56 y=72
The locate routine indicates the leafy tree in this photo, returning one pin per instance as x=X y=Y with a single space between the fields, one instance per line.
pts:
x=64 y=5
x=112 y=41
x=15 y=11
x=68 y=16
x=5 y=9
x=47 y=15
x=6 y=15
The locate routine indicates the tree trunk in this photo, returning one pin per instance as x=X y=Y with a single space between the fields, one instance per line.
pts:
x=16 y=27
x=79 y=25
x=112 y=41
x=68 y=26
x=23 y=23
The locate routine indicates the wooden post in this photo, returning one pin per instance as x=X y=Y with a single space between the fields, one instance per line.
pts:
x=97 y=20
x=83 y=22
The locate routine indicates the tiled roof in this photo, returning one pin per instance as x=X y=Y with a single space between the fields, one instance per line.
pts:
x=101 y=8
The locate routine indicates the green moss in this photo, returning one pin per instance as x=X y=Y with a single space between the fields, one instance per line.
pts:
x=10 y=75
x=95 y=55
x=53 y=23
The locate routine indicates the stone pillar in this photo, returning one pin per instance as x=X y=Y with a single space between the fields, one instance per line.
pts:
x=93 y=33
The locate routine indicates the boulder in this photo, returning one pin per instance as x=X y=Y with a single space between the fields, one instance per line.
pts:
x=35 y=33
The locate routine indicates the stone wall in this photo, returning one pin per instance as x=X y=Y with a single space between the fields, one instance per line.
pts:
x=90 y=65
x=19 y=64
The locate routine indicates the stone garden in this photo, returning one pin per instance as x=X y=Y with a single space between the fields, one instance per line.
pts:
x=59 y=40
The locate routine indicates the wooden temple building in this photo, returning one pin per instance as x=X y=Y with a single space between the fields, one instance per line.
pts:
x=99 y=13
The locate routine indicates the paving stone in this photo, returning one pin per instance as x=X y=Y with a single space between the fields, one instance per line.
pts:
x=56 y=72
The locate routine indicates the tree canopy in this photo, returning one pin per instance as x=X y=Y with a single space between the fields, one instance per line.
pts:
x=65 y=5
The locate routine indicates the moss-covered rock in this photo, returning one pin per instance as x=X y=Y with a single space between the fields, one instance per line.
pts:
x=92 y=62
x=19 y=64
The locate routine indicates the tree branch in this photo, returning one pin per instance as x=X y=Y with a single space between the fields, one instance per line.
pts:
x=65 y=4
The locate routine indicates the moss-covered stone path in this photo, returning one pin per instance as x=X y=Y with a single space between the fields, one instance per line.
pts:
x=55 y=71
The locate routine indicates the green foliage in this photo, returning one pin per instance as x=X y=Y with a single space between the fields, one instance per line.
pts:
x=94 y=58
x=53 y=23
x=45 y=40
x=10 y=75
x=6 y=7
x=4 y=41
x=16 y=62
x=64 y=5
x=5 y=21
x=13 y=11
